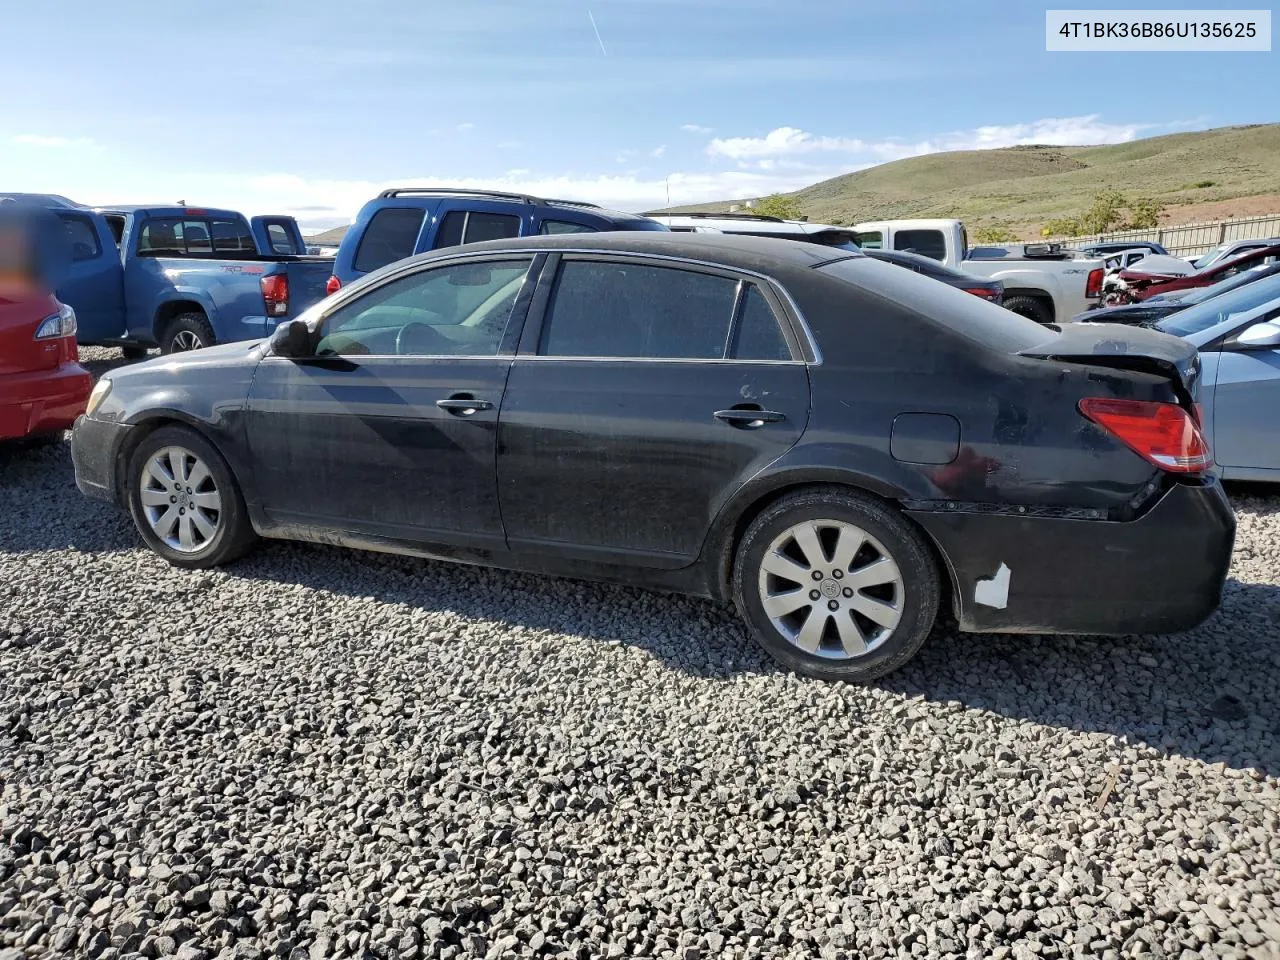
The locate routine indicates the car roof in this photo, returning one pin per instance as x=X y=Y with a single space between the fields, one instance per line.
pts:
x=739 y=251
x=744 y=222
x=501 y=196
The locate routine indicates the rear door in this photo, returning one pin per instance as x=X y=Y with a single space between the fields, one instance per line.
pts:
x=465 y=220
x=94 y=286
x=644 y=395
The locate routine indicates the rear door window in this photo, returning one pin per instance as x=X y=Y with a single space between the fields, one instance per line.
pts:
x=869 y=239
x=564 y=226
x=475 y=226
x=82 y=237
x=758 y=337
x=230 y=236
x=391 y=235
x=631 y=310
x=279 y=238
x=927 y=243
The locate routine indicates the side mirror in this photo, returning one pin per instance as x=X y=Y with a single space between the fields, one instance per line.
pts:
x=292 y=340
x=1260 y=336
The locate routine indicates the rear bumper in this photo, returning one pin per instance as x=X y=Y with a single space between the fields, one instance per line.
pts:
x=44 y=401
x=1161 y=573
x=95 y=449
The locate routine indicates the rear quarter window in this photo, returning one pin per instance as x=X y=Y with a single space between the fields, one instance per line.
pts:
x=961 y=313
x=391 y=235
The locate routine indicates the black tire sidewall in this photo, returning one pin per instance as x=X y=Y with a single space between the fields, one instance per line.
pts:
x=1028 y=307
x=196 y=323
x=234 y=532
x=921 y=583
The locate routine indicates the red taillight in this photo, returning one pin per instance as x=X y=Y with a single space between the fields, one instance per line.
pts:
x=332 y=286
x=1093 y=286
x=275 y=292
x=1162 y=433
x=986 y=293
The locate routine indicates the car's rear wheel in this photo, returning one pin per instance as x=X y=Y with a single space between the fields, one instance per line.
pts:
x=185 y=501
x=835 y=585
x=187 y=331
x=1029 y=307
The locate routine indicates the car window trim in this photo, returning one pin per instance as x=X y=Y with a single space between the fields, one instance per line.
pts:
x=510 y=335
x=804 y=350
x=796 y=326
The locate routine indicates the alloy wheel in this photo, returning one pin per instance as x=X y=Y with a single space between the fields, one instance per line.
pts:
x=180 y=499
x=185 y=340
x=831 y=589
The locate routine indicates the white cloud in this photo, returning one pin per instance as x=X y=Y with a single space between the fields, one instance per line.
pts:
x=39 y=140
x=464 y=127
x=694 y=128
x=657 y=152
x=1057 y=131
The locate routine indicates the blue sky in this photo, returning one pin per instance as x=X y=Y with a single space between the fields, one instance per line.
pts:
x=310 y=106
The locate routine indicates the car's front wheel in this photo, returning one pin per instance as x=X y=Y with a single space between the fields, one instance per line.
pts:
x=835 y=585
x=185 y=501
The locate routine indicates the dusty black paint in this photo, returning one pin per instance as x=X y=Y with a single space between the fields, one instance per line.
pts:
x=620 y=471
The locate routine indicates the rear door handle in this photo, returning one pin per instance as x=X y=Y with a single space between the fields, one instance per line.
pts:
x=463 y=404
x=749 y=418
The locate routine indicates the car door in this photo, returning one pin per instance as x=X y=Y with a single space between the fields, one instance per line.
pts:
x=1246 y=394
x=94 y=283
x=644 y=395
x=389 y=429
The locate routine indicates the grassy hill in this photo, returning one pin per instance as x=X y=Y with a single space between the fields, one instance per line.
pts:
x=1022 y=187
x=334 y=236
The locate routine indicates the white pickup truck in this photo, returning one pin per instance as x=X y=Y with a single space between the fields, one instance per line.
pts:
x=1045 y=282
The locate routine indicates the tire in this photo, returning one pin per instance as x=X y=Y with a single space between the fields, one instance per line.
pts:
x=134 y=353
x=1029 y=307
x=212 y=527
x=187 y=331
x=905 y=601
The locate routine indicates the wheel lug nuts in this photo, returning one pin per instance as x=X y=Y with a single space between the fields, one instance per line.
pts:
x=817 y=574
x=188 y=489
x=814 y=595
x=173 y=499
x=833 y=606
x=181 y=511
x=838 y=574
x=848 y=592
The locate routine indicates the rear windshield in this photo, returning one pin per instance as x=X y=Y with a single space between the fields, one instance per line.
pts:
x=391 y=235
x=1210 y=313
x=966 y=315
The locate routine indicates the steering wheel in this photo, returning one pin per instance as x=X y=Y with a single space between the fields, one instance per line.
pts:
x=417 y=337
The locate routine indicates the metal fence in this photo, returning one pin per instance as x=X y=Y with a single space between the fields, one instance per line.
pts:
x=1193 y=238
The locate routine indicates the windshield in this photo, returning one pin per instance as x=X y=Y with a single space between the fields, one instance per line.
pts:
x=1210 y=313
x=1219 y=288
x=1205 y=259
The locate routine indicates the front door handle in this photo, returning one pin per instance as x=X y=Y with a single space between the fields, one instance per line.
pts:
x=463 y=404
x=749 y=416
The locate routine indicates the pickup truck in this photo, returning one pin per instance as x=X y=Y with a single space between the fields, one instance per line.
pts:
x=1042 y=281
x=181 y=277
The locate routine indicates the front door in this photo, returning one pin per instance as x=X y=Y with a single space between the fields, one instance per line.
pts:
x=390 y=429
x=645 y=397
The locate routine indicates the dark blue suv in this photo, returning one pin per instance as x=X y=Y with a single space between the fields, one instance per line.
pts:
x=406 y=220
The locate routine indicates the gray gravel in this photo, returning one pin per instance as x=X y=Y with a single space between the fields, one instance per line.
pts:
x=321 y=753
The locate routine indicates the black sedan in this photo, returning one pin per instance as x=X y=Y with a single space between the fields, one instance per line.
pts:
x=839 y=446
x=990 y=290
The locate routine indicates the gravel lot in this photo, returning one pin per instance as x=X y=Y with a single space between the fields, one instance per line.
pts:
x=323 y=753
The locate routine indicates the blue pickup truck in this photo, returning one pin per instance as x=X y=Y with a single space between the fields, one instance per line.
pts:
x=181 y=277
x=402 y=221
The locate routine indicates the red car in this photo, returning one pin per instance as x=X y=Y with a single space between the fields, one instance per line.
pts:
x=1140 y=285
x=43 y=388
